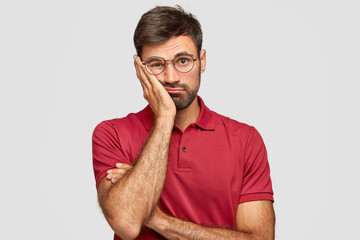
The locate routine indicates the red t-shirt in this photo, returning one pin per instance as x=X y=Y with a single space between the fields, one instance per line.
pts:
x=214 y=165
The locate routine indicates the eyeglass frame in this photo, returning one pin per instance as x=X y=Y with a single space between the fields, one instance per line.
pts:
x=173 y=63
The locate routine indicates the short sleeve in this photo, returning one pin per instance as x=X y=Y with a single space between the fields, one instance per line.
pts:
x=256 y=181
x=106 y=150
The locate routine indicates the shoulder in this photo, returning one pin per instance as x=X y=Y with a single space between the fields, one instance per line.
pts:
x=120 y=126
x=233 y=126
x=247 y=136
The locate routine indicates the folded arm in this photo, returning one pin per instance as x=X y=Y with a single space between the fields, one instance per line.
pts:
x=254 y=220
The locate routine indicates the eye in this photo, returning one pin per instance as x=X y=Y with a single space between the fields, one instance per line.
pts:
x=183 y=61
x=156 y=65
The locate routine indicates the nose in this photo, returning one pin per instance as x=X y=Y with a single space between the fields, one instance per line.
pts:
x=170 y=73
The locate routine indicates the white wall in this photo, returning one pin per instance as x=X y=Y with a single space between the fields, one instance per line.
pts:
x=290 y=68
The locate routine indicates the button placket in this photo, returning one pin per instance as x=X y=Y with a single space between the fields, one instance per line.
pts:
x=184 y=154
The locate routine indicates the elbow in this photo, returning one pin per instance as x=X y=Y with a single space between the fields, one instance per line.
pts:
x=126 y=230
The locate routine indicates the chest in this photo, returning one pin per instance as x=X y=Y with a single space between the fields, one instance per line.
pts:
x=204 y=176
x=204 y=172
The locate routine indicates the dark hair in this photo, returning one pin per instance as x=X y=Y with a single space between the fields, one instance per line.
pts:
x=161 y=23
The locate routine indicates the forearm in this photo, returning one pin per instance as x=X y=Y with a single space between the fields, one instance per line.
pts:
x=130 y=202
x=174 y=228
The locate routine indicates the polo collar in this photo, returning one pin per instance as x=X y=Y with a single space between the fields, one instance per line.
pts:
x=205 y=120
x=206 y=117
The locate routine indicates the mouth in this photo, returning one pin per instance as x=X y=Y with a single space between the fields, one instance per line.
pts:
x=174 y=90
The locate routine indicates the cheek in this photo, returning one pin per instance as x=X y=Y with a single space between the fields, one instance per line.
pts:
x=195 y=72
x=160 y=78
x=192 y=80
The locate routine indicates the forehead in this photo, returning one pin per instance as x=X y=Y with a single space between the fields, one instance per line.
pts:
x=170 y=48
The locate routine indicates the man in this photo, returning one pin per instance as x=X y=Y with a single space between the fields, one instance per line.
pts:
x=177 y=170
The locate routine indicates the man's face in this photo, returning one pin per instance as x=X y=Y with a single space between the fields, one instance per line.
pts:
x=182 y=87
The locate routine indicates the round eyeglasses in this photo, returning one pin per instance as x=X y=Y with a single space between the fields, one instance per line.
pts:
x=156 y=65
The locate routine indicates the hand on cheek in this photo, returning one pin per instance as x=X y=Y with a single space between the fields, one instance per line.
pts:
x=154 y=92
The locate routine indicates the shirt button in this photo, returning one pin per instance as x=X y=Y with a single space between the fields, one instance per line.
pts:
x=184 y=149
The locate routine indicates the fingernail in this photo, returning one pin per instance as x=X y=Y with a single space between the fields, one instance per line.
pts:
x=118 y=165
x=135 y=57
x=109 y=171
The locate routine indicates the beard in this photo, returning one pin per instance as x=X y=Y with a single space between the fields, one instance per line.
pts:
x=181 y=102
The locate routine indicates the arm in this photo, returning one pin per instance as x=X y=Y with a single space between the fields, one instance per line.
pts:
x=254 y=220
x=128 y=204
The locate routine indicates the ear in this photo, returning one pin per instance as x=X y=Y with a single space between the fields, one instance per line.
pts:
x=203 y=60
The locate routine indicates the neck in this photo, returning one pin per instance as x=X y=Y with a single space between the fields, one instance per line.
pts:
x=187 y=116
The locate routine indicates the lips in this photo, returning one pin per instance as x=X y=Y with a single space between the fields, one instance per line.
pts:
x=174 y=90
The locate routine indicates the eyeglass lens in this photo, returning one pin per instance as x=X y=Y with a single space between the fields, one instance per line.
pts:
x=156 y=65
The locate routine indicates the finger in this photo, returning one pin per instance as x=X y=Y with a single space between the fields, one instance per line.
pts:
x=128 y=167
x=138 y=75
x=114 y=180
x=116 y=177
x=137 y=67
x=119 y=171
x=141 y=73
x=145 y=84
x=145 y=74
x=123 y=166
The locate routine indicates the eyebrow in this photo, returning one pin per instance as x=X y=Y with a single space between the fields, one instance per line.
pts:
x=182 y=54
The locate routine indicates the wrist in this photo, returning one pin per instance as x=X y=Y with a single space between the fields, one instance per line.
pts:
x=158 y=221
x=165 y=122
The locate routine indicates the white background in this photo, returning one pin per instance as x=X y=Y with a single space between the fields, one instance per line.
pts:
x=290 y=68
